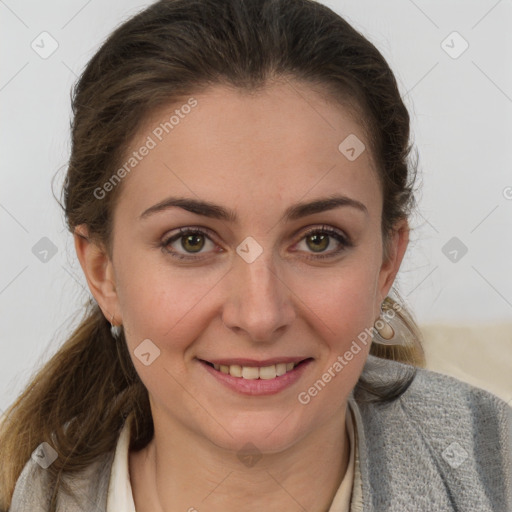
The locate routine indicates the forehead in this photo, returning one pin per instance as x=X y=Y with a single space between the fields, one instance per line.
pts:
x=280 y=144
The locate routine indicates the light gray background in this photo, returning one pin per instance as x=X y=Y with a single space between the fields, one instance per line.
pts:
x=462 y=117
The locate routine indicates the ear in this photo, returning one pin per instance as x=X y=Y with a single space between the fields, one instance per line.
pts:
x=396 y=251
x=99 y=272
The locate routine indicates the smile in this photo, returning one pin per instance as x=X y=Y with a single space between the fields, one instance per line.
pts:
x=257 y=380
x=255 y=372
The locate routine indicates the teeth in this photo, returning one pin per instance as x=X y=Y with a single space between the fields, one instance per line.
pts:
x=281 y=368
x=267 y=372
x=254 y=372
x=235 y=370
x=250 y=372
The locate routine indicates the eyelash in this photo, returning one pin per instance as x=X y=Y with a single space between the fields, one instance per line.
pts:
x=344 y=241
x=341 y=239
x=182 y=232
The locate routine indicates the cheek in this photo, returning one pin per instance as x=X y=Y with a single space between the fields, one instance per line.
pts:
x=341 y=302
x=341 y=314
x=161 y=303
x=341 y=318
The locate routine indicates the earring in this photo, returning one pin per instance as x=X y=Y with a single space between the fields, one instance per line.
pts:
x=115 y=330
x=389 y=329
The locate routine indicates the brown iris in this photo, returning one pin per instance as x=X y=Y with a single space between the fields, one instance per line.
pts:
x=319 y=242
x=193 y=242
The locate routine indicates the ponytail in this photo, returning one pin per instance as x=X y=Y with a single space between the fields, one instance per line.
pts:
x=77 y=403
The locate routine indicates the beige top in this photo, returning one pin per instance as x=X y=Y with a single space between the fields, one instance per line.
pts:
x=348 y=497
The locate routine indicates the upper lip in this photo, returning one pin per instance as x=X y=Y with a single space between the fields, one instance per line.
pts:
x=241 y=361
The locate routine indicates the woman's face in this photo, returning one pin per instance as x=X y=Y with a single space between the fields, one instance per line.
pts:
x=263 y=277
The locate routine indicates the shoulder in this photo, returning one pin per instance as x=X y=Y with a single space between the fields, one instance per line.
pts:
x=440 y=403
x=432 y=392
x=440 y=432
x=88 y=487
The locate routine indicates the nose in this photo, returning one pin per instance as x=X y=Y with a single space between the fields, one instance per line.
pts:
x=259 y=301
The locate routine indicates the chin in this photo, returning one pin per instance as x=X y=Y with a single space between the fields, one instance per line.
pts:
x=266 y=434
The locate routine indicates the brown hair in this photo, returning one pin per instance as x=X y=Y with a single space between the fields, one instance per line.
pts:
x=79 y=399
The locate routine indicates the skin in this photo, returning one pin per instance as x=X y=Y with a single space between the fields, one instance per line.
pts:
x=256 y=154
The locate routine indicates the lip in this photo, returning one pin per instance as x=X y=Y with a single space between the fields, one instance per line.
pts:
x=258 y=387
x=253 y=362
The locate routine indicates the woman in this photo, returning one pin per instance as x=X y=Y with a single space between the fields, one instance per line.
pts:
x=238 y=191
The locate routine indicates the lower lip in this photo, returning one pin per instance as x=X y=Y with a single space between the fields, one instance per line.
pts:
x=258 y=386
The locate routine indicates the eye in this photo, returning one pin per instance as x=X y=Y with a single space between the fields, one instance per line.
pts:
x=193 y=242
x=188 y=241
x=318 y=240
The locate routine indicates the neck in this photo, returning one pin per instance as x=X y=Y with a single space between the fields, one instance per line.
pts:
x=186 y=472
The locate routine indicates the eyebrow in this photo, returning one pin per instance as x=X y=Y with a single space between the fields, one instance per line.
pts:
x=216 y=211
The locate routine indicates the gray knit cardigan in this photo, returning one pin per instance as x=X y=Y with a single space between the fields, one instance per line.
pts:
x=442 y=445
